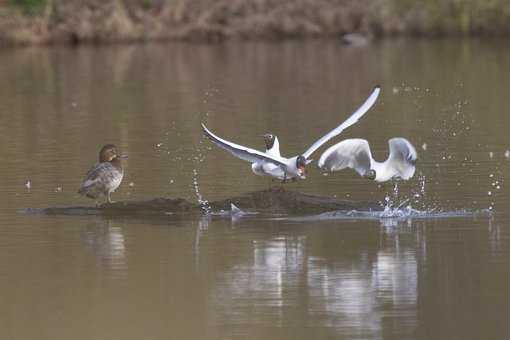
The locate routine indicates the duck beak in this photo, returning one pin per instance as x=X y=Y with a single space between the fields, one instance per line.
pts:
x=123 y=156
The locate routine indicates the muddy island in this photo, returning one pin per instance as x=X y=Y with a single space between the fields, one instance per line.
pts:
x=275 y=200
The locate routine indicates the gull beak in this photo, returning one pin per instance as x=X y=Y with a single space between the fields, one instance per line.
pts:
x=302 y=172
x=123 y=156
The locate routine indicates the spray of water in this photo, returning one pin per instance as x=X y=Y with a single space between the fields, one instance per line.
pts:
x=204 y=204
x=397 y=205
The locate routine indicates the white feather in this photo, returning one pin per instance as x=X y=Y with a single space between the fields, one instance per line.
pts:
x=356 y=154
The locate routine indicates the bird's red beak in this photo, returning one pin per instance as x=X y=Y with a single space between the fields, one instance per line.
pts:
x=302 y=170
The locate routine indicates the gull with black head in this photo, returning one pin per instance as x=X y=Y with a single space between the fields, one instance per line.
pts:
x=355 y=154
x=265 y=168
x=293 y=167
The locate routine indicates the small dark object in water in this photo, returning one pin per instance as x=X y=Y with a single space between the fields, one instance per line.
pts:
x=354 y=39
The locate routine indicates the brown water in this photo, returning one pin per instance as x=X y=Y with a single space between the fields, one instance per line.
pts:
x=254 y=278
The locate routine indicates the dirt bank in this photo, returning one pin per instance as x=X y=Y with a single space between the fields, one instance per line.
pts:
x=271 y=201
x=73 y=21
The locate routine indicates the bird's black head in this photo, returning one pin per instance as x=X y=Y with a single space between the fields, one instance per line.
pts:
x=370 y=174
x=269 y=140
x=300 y=162
x=300 y=165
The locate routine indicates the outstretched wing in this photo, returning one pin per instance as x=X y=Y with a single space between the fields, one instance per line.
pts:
x=353 y=119
x=350 y=153
x=242 y=152
x=402 y=157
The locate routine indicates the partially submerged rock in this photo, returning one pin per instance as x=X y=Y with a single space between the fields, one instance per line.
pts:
x=277 y=200
x=270 y=201
x=152 y=207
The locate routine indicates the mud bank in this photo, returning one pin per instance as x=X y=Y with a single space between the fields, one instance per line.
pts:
x=105 y=21
x=270 y=201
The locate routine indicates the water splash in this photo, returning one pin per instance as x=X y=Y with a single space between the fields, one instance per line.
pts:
x=496 y=183
x=392 y=201
x=390 y=216
x=198 y=158
x=235 y=212
x=203 y=203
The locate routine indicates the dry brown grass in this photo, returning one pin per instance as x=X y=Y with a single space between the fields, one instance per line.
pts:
x=215 y=20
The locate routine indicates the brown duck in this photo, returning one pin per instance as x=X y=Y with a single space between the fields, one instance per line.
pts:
x=104 y=177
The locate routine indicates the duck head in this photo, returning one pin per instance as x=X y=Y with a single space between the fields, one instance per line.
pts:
x=109 y=153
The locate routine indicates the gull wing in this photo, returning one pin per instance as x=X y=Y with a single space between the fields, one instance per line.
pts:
x=402 y=157
x=242 y=152
x=353 y=119
x=350 y=153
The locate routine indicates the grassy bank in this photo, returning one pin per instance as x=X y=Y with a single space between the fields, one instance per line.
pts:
x=53 y=21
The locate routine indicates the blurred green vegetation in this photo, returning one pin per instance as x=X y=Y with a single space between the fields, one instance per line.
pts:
x=452 y=16
x=29 y=7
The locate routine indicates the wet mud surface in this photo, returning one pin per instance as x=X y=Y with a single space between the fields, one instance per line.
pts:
x=275 y=200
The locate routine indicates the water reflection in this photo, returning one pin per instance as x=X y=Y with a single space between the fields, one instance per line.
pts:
x=201 y=227
x=105 y=239
x=353 y=296
x=495 y=237
x=439 y=278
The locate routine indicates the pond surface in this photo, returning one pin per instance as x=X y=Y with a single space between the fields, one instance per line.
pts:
x=85 y=277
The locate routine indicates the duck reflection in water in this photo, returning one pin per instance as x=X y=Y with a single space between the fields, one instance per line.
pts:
x=106 y=240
